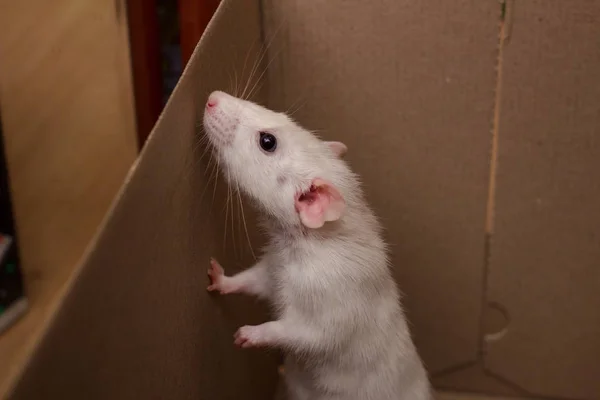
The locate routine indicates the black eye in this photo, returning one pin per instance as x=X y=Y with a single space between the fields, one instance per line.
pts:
x=267 y=142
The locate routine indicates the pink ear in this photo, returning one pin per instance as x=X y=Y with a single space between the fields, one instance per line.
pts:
x=320 y=204
x=338 y=148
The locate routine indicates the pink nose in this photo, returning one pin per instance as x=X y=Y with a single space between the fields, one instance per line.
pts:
x=212 y=102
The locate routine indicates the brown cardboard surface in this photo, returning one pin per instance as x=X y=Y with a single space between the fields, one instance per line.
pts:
x=475 y=379
x=409 y=86
x=137 y=322
x=461 y=396
x=69 y=143
x=545 y=253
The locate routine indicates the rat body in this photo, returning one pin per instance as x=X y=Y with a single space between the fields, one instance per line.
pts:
x=325 y=268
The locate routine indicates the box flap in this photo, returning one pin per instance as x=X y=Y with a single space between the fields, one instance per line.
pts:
x=409 y=86
x=545 y=255
x=137 y=322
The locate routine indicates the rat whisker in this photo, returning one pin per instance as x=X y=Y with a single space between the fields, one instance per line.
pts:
x=244 y=221
x=235 y=89
x=239 y=219
x=210 y=178
x=218 y=165
x=258 y=80
x=265 y=52
x=198 y=142
x=296 y=106
x=210 y=160
x=193 y=163
x=227 y=212
x=255 y=66
x=230 y=87
x=226 y=219
x=207 y=149
x=190 y=162
x=246 y=62
x=260 y=86
x=232 y=223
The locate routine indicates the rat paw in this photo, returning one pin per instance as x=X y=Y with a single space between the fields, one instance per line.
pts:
x=218 y=280
x=250 y=336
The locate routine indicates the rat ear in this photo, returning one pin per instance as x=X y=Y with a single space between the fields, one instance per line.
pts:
x=321 y=203
x=338 y=148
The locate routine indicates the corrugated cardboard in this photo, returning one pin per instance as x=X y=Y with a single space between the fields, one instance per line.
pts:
x=543 y=275
x=474 y=125
x=137 y=322
x=545 y=254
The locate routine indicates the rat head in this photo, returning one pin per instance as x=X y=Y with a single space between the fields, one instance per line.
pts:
x=293 y=176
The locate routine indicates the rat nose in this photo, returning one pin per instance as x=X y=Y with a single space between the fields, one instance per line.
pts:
x=212 y=102
x=215 y=99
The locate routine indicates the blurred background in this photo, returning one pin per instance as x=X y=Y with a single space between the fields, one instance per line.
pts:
x=81 y=85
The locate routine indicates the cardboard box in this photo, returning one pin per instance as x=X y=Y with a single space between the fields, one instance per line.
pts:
x=475 y=125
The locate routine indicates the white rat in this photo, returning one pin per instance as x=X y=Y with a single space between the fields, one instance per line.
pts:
x=325 y=268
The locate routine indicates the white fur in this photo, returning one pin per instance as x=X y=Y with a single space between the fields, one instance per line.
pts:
x=339 y=318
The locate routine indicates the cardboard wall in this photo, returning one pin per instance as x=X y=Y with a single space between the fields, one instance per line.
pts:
x=474 y=124
x=137 y=322
x=545 y=256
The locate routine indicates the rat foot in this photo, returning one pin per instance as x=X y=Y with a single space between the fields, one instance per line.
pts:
x=250 y=336
x=219 y=282
x=263 y=335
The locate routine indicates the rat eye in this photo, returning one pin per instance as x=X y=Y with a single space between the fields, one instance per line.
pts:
x=267 y=142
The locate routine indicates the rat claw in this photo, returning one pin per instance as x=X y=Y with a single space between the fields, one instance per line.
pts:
x=248 y=336
x=218 y=281
x=237 y=339
x=216 y=267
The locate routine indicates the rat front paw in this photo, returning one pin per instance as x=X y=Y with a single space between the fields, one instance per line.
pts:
x=250 y=336
x=218 y=280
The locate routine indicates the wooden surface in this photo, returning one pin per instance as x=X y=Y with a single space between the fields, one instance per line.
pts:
x=194 y=16
x=67 y=109
x=146 y=62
